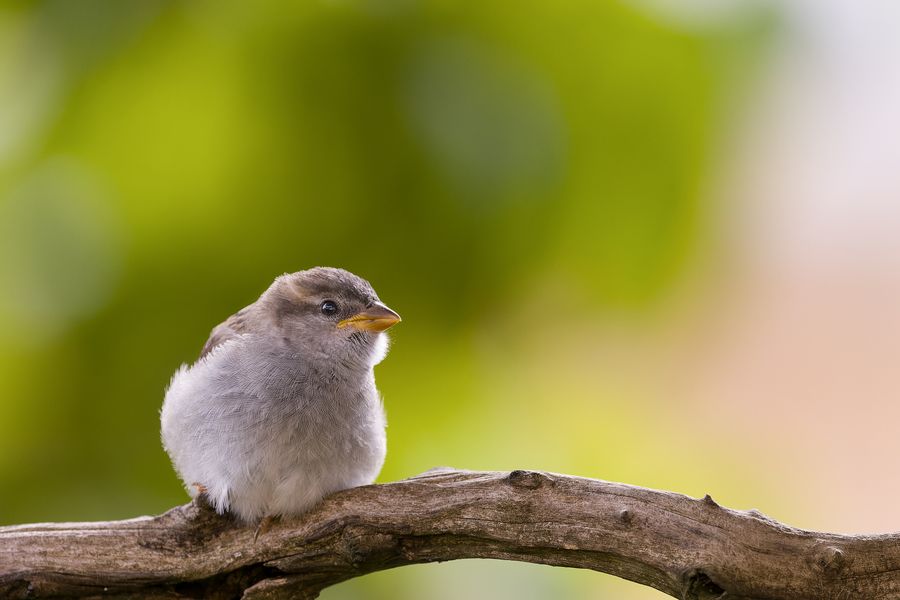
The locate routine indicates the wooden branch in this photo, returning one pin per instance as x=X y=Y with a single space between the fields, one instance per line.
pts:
x=687 y=548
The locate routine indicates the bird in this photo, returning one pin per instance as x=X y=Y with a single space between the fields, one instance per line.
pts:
x=281 y=409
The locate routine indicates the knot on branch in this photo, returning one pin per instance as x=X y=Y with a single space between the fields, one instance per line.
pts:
x=831 y=560
x=698 y=585
x=362 y=545
x=528 y=479
x=708 y=500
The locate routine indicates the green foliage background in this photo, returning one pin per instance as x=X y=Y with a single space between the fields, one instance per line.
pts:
x=508 y=175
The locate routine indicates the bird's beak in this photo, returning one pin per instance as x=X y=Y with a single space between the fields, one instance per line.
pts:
x=377 y=317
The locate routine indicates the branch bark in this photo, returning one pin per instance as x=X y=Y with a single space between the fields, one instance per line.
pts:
x=687 y=548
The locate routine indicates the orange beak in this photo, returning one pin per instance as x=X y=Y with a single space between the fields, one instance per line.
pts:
x=376 y=318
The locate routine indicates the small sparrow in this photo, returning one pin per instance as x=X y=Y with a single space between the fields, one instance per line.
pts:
x=281 y=409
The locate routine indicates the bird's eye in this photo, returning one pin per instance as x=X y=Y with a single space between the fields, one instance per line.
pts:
x=329 y=307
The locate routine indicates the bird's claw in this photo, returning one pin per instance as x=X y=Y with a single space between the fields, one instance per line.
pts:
x=264 y=526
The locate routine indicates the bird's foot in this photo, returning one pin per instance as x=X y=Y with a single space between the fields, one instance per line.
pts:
x=200 y=497
x=264 y=526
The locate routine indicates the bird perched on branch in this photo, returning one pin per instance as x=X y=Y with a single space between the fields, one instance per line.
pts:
x=281 y=408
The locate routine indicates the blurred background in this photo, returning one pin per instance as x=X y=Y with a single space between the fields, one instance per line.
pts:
x=650 y=241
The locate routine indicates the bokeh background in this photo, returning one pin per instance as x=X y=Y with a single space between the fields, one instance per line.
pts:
x=651 y=241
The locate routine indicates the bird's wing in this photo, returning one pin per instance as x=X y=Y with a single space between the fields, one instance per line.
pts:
x=234 y=326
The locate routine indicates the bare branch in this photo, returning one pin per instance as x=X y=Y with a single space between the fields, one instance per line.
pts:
x=687 y=548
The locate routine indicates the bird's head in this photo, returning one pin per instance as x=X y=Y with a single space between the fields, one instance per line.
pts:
x=331 y=313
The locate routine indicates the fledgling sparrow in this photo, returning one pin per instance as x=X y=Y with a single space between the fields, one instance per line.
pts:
x=281 y=408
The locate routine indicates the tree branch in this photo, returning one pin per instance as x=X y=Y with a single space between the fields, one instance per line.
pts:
x=687 y=548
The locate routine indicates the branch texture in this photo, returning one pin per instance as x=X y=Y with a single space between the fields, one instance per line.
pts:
x=687 y=548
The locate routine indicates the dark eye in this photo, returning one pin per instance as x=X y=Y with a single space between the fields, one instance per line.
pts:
x=329 y=307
